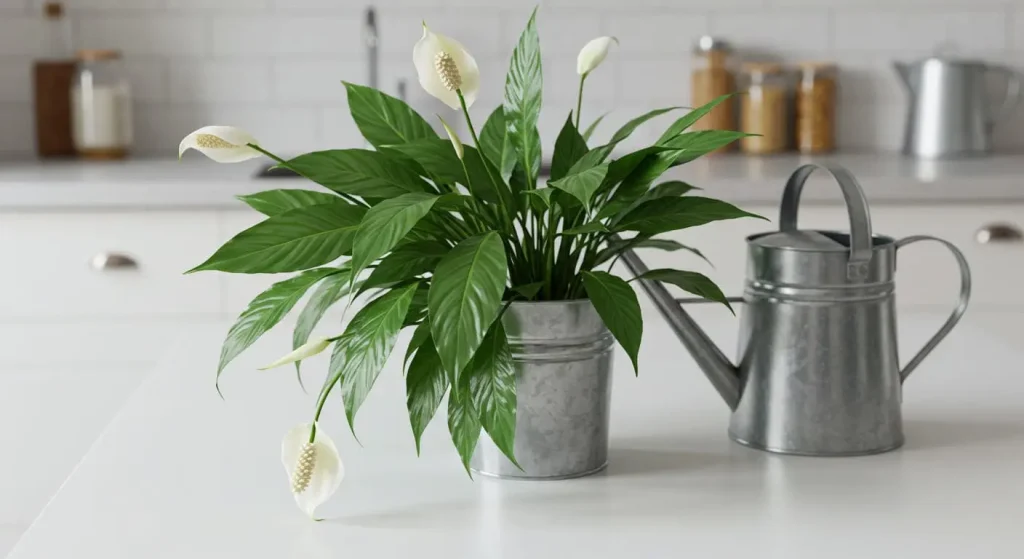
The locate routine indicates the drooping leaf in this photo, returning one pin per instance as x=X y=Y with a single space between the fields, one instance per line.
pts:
x=669 y=214
x=690 y=118
x=543 y=194
x=626 y=201
x=593 y=126
x=329 y=292
x=384 y=120
x=406 y=262
x=359 y=172
x=590 y=227
x=274 y=202
x=691 y=145
x=691 y=282
x=294 y=240
x=463 y=422
x=569 y=148
x=523 y=91
x=464 y=298
x=385 y=225
x=492 y=387
x=583 y=185
x=616 y=302
x=362 y=350
x=418 y=307
x=425 y=385
x=265 y=311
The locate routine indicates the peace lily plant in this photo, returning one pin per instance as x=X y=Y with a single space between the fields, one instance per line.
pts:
x=440 y=236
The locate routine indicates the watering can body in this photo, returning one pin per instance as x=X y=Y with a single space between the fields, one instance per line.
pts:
x=817 y=368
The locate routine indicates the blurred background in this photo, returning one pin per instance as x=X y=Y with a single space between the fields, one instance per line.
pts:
x=98 y=219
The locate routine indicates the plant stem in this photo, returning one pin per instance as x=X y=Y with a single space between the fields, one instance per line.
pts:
x=476 y=143
x=319 y=408
x=579 y=102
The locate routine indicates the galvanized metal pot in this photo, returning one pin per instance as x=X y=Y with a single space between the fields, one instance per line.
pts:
x=563 y=360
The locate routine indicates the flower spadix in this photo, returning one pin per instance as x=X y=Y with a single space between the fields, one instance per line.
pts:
x=314 y=468
x=444 y=68
x=223 y=144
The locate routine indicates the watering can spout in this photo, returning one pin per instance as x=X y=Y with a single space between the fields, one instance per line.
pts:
x=724 y=376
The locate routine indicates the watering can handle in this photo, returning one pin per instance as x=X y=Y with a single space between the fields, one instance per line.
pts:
x=961 y=305
x=856 y=207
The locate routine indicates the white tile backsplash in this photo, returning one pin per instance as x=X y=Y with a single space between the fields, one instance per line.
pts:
x=274 y=66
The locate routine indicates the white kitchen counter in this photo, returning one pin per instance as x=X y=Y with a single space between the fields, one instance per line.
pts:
x=199 y=183
x=180 y=473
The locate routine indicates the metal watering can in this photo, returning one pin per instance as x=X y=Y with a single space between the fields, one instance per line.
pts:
x=818 y=370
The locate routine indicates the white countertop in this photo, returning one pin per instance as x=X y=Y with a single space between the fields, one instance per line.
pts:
x=199 y=183
x=180 y=473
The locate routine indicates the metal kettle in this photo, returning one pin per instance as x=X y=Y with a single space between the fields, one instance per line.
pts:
x=951 y=110
x=818 y=371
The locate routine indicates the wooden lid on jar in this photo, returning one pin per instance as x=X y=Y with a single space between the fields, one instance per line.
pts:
x=53 y=10
x=817 y=65
x=93 y=55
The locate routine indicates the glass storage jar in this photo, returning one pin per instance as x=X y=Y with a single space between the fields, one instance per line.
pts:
x=101 y=106
x=816 y=108
x=712 y=78
x=763 y=110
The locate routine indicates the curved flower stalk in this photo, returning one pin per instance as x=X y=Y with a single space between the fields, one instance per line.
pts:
x=445 y=69
x=313 y=465
x=223 y=144
x=591 y=56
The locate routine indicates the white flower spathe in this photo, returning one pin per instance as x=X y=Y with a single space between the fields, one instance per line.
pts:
x=593 y=54
x=443 y=65
x=314 y=469
x=223 y=144
x=308 y=349
x=456 y=142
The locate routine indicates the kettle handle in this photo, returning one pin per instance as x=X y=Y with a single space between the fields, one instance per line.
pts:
x=856 y=207
x=961 y=305
x=1010 y=100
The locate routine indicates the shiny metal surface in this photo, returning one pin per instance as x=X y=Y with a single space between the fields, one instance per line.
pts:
x=563 y=359
x=114 y=261
x=371 y=38
x=818 y=369
x=999 y=233
x=951 y=111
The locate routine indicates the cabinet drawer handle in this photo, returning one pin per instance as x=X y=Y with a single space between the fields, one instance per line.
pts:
x=114 y=261
x=999 y=233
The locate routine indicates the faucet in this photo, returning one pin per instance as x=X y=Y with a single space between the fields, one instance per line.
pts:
x=371 y=38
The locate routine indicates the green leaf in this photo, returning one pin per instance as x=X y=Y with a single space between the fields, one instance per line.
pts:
x=616 y=302
x=691 y=282
x=463 y=422
x=669 y=214
x=690 y=118
x=492 y=387
x=362 y=350
x=593 y=126
x=419 y=337
x=591 y=227
x=274 y=202
x=492 y=136
x=464 y=298
x=406 y=262
x=544 y=194
x=385 y=225
x=569 y=148
x=631 y=126
x=524 y=86
x=627 y=200
x=583 y=185
x=691 y=145
x=530 y=290
x=384 y=120
x=643 y=241
x=359 y=172
x=295 y=240
x=329 y=292
x=440 y=161
x=265 y=311
x=425 y=385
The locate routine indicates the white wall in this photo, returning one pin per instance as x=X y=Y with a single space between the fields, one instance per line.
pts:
x=273 y=66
